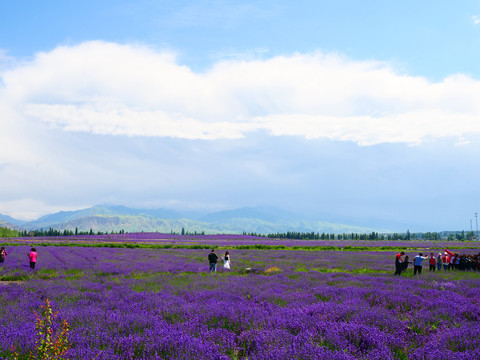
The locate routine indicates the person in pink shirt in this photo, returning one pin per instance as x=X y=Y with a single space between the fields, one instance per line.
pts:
x=33 y=257
x=3 y=254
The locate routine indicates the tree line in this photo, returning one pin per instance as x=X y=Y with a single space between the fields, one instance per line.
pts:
x=345 y=236
x=54 y=232
x=460 y=236
x=6 y=232
x=446 y=235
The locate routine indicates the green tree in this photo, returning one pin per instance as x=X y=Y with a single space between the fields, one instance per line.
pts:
x=6 y=232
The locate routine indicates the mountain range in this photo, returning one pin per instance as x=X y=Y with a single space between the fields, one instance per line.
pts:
x=262 y=220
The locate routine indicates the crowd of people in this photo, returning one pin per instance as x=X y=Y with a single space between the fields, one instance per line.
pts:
x=446 y=261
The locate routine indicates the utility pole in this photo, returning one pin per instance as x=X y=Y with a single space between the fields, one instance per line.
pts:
x=476 y=221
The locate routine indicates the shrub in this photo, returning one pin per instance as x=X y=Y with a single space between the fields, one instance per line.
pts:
x=273 y=270
x=49 y=346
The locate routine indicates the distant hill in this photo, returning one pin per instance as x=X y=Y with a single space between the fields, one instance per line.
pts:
x=8 y=221
x=82 y=218
x=11 y=223
x=261 y=220
x=269 y=214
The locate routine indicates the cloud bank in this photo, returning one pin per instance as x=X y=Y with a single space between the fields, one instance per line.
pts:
x=131 y=90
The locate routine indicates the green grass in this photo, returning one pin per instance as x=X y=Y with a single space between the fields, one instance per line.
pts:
x=341 y=270
x=15 y=276
x=46 y=274
x=73 y=274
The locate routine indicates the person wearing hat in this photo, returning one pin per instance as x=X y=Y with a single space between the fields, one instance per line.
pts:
x=439 y=261
x=445 y=260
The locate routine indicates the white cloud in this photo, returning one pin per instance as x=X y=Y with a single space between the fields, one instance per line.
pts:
x=31 y=209
x=461 y=142
x=411 y=128
x=145 y=109
x=108 y=119
x=110 y=89
x=476 y=19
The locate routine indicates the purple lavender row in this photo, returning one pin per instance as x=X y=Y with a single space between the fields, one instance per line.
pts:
x=315 y=316
x=126 y=261
x=237 y=240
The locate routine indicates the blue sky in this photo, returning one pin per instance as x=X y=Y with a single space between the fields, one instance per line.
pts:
x=351 y=111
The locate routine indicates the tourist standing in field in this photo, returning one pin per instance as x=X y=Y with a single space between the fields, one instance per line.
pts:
x=439 y=262
x=446 y=261
x=212 y=259
x=451 y=265
x=453 y=259
x=398 y=263
x=405 y=264
x=432 y=262
x=226 y=260
x=476 y=262
x=417 y=263
x=3 y=255
x=33 y=257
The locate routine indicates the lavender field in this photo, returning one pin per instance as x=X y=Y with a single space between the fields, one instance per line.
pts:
x=151 y=238
x=147 y=303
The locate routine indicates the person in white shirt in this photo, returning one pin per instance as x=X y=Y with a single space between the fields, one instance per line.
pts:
x=417 y=263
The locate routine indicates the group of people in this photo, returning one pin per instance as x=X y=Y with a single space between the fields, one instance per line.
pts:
x=446 y=261
x=213 y=260
x=32 y=256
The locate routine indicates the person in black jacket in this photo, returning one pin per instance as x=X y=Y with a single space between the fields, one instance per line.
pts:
x=398 y=263
x=212 y=259
x=405 y=264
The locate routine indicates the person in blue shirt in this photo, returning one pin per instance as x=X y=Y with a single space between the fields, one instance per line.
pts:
x=417 y=263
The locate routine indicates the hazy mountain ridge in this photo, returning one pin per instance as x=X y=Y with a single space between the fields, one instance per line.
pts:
x=250 y=219
x=8 y=221
x=8 y=224
x=11 y=223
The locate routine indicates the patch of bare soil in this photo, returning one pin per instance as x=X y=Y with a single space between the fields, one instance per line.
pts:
x=10 y=282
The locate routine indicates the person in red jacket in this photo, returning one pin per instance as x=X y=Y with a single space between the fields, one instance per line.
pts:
x=446 y=261
x=432 y=262
x=398 y=263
